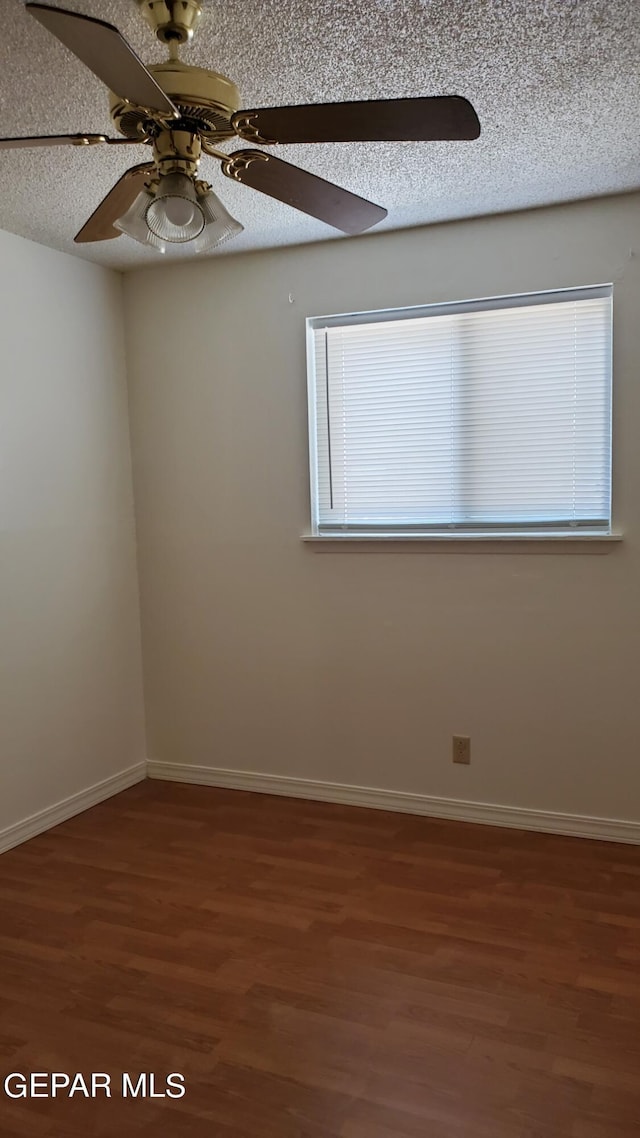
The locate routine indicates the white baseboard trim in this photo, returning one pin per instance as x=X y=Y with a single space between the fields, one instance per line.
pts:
x=74 y=804
x=485 y=813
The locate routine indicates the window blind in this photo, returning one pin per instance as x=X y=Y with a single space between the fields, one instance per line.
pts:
x=478 y=416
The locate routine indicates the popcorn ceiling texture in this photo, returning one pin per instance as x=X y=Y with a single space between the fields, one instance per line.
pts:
x=556 y=84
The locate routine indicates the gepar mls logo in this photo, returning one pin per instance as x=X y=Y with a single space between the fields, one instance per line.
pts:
x=58 y=1084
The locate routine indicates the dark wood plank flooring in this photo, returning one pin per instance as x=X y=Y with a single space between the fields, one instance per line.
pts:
x=319 y=971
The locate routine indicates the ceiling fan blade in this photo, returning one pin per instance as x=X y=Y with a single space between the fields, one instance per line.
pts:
x=304 y=191
x=52 y=140
x=99 y=227
x=445 y=117
x=105 y=52
x=63 y=140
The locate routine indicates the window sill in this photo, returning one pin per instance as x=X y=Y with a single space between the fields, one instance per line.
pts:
x=463 y=543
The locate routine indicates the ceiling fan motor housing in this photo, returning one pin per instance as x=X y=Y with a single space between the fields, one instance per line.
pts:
x=172 y=20
x=206 y=101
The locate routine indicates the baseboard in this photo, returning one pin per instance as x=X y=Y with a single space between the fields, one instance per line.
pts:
x=74 y=804
x=485 y=813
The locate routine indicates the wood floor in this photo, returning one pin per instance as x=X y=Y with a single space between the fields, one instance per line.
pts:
x=318 y=971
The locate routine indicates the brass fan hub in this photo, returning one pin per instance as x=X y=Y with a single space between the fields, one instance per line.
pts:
x=177 y=152
x=206 y=101
x=173 y=21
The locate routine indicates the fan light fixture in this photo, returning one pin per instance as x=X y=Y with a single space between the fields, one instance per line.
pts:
x=180 y=211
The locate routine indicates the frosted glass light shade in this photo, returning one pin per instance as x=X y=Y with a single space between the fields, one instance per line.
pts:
x=175 y=214
x=219 y=225
x=134 y=222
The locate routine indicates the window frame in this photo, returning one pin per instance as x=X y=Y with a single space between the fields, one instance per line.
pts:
x=433 y=533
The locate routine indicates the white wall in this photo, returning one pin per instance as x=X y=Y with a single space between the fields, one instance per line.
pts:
x=71 y=709
x=261 y=654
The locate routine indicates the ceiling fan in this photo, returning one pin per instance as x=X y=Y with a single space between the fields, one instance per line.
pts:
x=182 y=112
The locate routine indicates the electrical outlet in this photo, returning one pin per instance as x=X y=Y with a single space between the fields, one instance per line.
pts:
x=461 y=749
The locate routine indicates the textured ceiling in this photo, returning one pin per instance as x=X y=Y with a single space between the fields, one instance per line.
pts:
x=556 y=84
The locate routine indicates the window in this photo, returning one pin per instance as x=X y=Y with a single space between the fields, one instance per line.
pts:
x=478 y=417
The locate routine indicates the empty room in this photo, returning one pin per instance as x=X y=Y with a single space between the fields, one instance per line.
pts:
x=320 y=569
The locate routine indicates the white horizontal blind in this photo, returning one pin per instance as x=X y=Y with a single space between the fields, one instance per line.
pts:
x=480 y=416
